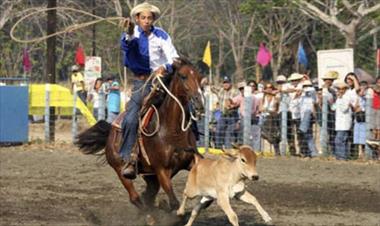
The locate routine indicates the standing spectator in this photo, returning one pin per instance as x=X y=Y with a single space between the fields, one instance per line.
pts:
x=95 y=96
x=343 y=121
x=307 y=110
x=375 y=142
x=256 y=130
x=353 y=88
x=226 y=124
x=77 y=83
x=359 y=119
x=239 y=102
x=113 y=99
x=294 y=90
x=270 y=119
x=330 y=92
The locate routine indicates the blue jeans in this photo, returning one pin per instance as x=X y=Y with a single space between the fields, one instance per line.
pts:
x=131 y=119
x=341 y=150
x=224 y=132
x=111 y=116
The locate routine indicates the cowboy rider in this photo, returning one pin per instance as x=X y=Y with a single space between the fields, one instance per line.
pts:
x=147 y=49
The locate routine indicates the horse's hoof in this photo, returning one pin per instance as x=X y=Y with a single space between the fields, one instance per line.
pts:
x=149 y=220
x=180 y=213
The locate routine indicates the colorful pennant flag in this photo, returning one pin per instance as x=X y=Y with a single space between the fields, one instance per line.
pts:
x=79 y=56
x=26 y=61
x=207 y=55
x=263 y=56
x=301 y=54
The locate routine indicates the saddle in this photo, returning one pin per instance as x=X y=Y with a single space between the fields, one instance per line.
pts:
x=154 y=98
x=146 y=119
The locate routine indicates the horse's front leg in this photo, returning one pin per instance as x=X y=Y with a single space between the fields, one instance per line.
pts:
x=133 y=195
x=164 y=177
x=151 y=190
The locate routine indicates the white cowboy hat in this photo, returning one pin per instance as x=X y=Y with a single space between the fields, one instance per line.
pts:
x=340 y=85
x=307 y=83
x=281 y=78
x=295 y=76
x=146 y=7
x=74 y=68
x=241 y=85
x=331 y=75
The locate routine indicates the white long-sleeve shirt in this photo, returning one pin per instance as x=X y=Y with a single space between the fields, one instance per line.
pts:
x=343 y=113
x=144 y=54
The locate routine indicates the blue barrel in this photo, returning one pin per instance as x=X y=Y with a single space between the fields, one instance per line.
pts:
x=14 y=106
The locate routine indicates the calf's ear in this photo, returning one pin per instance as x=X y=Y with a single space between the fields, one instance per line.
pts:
x=231 y=153
x=235 y=145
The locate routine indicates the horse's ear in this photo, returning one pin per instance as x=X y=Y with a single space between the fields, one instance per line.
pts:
x=177 y=62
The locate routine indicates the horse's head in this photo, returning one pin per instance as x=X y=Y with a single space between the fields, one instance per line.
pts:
x=188 y=84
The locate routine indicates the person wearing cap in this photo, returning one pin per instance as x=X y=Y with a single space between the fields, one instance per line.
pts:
x=330 y=93
x=113 y=99
x=270 y=121
x=307 y=110
x=147 y=49
x=77 y=83
x=343 y=121
x=226 y=124
x=293 y=90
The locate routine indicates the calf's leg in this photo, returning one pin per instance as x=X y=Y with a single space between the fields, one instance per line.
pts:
x=224 y=203
x=204 y=203
x=181 y=210
x=249 y=198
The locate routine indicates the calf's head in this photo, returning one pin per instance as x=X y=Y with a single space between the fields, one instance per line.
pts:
x=245 y=159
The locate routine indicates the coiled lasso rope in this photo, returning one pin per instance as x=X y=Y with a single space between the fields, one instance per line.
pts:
x=67 y=29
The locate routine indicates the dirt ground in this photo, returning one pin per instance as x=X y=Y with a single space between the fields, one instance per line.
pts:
x=57 y=185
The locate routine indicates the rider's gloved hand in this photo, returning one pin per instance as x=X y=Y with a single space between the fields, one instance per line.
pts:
x=127 y=25
x=161 y=71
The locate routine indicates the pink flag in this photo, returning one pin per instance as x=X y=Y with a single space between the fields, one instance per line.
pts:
x=79 y=56
x=263 y=55
x=26 y=61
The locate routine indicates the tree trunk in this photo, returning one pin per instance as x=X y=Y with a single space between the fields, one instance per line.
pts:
x=350 y=39
x=239 y=72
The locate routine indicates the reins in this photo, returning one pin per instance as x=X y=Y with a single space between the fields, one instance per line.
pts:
x=184 y=127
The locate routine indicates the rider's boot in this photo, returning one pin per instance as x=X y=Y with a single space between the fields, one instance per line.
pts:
x=129 y=169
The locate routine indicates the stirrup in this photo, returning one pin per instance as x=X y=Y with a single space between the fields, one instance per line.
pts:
x=129 y=171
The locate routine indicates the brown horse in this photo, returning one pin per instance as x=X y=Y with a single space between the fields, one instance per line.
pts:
x=170 y=150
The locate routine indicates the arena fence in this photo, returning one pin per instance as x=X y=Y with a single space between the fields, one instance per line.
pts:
x=270 y=134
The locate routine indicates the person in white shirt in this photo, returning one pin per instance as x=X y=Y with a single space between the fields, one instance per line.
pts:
x=329 y=92
x=307 y=110
x=293 y=90
x=343 y=121
x=353 y=89
x=95 y=96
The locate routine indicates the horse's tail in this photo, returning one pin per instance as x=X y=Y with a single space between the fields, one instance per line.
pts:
x=94 y=139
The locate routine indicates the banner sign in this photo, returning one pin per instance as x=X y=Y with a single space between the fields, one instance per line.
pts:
x=340 y=60
x=92 y=70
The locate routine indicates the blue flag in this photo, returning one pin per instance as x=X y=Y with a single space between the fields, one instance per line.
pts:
x=302 y=58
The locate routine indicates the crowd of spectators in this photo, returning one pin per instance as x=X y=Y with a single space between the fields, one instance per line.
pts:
x=303 y=99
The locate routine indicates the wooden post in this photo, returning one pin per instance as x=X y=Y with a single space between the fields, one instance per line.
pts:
x=51 y=59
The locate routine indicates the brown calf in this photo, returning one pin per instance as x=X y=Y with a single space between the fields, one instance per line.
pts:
x=222 y=179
